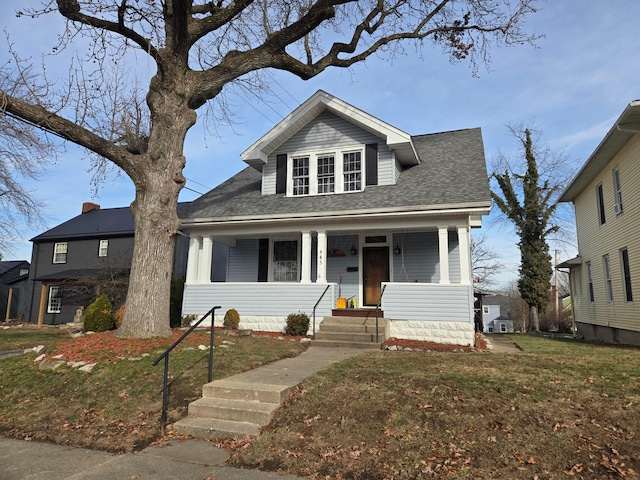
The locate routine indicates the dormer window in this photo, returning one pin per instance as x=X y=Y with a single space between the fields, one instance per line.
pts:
x=319 y=173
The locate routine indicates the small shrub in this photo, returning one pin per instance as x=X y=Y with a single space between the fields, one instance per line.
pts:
x=98 y=317
x=231 y=319
x=297 y=324
x=119 y=315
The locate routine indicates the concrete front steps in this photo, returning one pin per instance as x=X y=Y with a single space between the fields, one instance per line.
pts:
x=228 y=408
x=351 y=332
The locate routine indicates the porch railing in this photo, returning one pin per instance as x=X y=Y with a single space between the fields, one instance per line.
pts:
x=378 y=310
x=165 y=355
x=314 y=311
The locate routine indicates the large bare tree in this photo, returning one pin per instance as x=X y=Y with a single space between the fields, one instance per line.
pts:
x=197 y=49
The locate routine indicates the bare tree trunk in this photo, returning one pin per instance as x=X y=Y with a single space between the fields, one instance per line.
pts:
x=158 y=182
x=534 y=321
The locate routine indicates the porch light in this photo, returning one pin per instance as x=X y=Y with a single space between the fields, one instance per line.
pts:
x=354 y=251
x=397 y=250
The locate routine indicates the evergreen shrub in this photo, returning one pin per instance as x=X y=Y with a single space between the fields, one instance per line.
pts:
x=99 y=316
x=297 y=324
x=231 y=319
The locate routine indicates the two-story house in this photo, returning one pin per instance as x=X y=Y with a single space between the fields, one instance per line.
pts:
x=606 y=197
x=80 y=259
x=338 y=204
x=14 y=276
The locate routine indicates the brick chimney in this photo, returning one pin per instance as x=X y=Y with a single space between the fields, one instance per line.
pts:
x=88 y=206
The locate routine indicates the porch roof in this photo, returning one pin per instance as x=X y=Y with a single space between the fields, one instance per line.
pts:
x=451 y=175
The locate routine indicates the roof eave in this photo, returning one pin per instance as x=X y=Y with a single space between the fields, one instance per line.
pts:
x=627 y=125
x=257 y=154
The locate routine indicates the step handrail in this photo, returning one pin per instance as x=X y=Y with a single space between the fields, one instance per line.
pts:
x=378 y=309
x=165 y=355
x=314 y=311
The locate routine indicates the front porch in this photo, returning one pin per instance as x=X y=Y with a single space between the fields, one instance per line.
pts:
x=416 y=311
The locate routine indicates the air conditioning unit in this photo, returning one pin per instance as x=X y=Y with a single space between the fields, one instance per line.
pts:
x=617 y=209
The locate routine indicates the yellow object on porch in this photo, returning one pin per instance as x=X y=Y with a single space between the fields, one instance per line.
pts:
x=341 y=302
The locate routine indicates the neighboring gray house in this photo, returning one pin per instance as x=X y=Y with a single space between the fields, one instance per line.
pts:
x=495 y=314
x=335 y=200
x=73 y=262
x=14 y=281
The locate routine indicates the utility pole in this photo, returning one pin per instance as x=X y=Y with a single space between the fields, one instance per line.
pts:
x=556 y=286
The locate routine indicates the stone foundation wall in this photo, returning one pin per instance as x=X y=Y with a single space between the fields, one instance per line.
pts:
x=456 y=333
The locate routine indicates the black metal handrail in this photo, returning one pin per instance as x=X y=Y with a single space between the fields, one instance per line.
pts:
x=378 y=309
x=314 y=311
x=165 y=355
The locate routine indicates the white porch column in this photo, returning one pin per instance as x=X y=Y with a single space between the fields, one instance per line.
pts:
x=204 y=262
x=305 y=274
x=464 y=245
x=321 y=276
x=443 y=251
x=192 y=260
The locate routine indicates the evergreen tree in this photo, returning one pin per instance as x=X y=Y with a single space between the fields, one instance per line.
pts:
x=531 y=215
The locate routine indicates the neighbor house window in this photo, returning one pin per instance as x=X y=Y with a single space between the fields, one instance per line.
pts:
x=104 y=248
x=60 y=252
x=600 y=196
x=55 y=299
x=352 y=168
x=326 y=174
x=485 y=309
x=626 y=274
x=301 y=176
x=617 y=191
x=503 y=327
x=590 y=282
x=607 y=277
x=285 y=261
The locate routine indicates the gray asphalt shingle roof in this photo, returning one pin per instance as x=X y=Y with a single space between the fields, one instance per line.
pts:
x=453 y=171
x=103 y=223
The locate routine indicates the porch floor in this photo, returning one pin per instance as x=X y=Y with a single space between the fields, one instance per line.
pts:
x=357 y=312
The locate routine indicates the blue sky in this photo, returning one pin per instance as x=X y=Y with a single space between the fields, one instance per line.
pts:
x=571 y=86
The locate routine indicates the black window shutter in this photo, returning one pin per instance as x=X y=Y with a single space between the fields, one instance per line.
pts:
x=281 y=173
x=263 y=259
x=371 y=158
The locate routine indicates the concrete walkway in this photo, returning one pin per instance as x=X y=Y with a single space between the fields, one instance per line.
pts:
x=499 y=343
x=176 y=459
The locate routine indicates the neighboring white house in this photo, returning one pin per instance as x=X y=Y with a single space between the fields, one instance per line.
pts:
x=336 y=203
x=606 y=197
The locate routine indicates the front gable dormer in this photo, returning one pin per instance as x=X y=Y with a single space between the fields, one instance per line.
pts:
x=327 y=146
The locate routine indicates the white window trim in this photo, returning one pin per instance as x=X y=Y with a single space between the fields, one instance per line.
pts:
x=485 y=309
x=606 y=265
x=103 y=249
x=54 y=291
x=298 y=257
x=624 y=266
x=60 y=248
x=617 y=190
x=338 y=173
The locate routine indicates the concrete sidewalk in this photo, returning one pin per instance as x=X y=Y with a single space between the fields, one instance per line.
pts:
x=176 y=459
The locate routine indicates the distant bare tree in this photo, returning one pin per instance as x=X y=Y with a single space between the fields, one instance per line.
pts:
x=24 y=154
x=485 y=262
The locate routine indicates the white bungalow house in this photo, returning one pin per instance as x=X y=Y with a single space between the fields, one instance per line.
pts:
x=337 y=204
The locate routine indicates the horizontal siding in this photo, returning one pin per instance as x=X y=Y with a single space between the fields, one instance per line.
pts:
x=618 y=231
x=350 y=280
x=418 y=260
x=414 y=301
x=329 y=131
x=243 y=261
x=269 y=177
x=269 y=299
